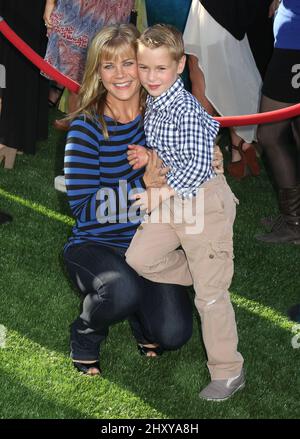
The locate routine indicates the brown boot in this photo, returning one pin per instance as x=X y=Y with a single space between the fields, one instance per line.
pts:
x=270 y=221
x=287 y=230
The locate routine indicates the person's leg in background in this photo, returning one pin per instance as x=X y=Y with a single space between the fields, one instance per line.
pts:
x=7 y=154
x=198 y=84
x=243 y=153
x=280 y=143
x=296 y=134
x=55 y=93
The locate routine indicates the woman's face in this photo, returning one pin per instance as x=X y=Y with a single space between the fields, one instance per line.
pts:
x=120 y=76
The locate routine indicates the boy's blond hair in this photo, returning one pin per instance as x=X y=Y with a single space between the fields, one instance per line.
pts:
x=164 y=35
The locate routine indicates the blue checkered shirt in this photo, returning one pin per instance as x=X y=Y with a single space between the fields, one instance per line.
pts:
x=183 y=135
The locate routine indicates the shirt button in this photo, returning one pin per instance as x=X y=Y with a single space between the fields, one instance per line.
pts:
x=211 y=256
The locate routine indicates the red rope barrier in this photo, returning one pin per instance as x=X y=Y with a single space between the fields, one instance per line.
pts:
x=260 y=118
x=229 y=121
x=36 y=59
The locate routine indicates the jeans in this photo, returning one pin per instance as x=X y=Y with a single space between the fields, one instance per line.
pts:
x=112 y=291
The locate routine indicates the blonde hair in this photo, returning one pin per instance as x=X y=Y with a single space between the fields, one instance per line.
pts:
x=164 y=35
x=108 y=44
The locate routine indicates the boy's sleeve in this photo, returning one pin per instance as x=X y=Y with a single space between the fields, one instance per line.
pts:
x=197 y=133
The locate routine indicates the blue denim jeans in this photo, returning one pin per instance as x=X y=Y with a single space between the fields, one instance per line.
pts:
x=112 y=291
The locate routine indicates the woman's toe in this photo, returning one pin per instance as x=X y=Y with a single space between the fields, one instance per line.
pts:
x=151 y=354
x=93 y=371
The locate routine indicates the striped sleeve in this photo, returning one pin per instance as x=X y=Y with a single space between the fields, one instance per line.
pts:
x=83 y=172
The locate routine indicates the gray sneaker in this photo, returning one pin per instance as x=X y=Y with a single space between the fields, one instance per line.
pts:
x=220 y=390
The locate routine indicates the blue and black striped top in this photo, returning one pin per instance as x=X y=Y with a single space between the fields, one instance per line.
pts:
x=100 y=180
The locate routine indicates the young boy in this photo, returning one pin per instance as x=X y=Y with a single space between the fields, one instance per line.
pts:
x=183 y=135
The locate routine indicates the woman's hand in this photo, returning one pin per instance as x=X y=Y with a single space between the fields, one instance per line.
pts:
x=50 y=5
x=153 y=197
x=155 y=175
x=218 y=160
x=138 y=156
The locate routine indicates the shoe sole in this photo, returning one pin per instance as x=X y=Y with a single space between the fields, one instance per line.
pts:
x=227 y=397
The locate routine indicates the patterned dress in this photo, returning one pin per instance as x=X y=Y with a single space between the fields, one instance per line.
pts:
x=75 y=23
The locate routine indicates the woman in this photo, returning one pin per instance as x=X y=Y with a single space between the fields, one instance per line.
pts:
x=281 y=140
x=24 y=114
x=225 y=77
x=100 y=182
x=72 y=25
x=109 y=118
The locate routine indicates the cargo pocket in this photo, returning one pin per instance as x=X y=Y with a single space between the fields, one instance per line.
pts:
x=220 y=267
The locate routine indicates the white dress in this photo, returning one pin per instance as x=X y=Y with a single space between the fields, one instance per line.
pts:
x=232 y=80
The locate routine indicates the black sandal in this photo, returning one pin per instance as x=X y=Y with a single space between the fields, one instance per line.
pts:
x=58 y=91
x=85 y=367
x=145 y=350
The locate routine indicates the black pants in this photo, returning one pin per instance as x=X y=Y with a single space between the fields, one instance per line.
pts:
x=112 y=291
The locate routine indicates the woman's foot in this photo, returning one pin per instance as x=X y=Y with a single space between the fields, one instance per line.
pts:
x=235 y=155
x=243 y=159
x=150 y=350
x=91 y=368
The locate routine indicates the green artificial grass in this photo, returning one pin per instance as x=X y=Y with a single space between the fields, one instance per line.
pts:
x=37 y=304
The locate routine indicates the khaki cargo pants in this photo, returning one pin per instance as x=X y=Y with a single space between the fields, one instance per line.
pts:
x=206 y=261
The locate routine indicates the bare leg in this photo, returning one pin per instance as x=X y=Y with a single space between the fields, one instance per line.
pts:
x=235 y=140
x=62 y=124
x=198 y=84
x=73 y=102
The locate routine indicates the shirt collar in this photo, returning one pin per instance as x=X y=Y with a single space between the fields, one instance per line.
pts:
x=167 y=98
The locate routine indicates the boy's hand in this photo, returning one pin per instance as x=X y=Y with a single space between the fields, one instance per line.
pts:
x=138 y=156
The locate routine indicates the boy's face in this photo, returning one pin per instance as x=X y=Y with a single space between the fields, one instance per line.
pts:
x=157 y=69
